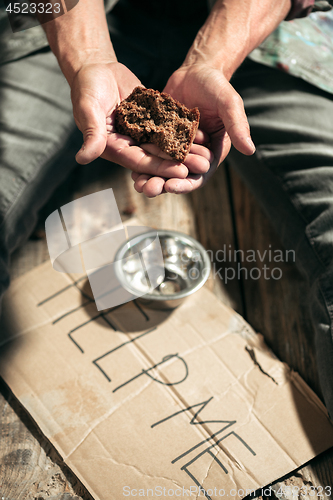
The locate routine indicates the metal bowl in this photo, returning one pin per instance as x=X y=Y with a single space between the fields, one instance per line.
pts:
x=184 y=268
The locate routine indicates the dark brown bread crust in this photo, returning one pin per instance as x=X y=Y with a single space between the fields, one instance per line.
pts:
x=148 y=115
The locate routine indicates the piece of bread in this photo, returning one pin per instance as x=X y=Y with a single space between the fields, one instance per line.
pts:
x=148 y=115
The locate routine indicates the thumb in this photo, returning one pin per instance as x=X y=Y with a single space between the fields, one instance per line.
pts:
x=232 y=113
x=92 y=123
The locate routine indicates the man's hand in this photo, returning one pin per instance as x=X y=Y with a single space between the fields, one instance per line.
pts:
x=233 y=29
x=96 y=91
x=222 y=122
x=80 y=40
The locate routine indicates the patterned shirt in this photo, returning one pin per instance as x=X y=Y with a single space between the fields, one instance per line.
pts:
x=303 y=48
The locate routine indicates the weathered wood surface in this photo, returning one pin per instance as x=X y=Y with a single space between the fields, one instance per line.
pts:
x=278 y=309
x=222 y=213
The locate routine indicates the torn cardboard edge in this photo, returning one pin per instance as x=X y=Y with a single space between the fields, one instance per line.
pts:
x=238 y=420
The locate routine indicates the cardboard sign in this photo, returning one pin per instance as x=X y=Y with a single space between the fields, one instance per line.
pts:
x=148 y=403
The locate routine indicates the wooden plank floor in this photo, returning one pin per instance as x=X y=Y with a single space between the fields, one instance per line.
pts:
x=222 y=215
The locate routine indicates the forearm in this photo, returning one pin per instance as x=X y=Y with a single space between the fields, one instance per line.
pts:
x=233 y=29
x=80 y=36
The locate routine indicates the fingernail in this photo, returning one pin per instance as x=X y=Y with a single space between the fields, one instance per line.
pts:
x=250 y=143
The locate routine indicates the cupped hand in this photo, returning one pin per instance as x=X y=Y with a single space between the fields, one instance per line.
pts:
x=96 y=90
x=222 y=122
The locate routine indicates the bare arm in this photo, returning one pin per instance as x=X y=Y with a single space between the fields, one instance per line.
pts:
x=80 y=40
x=232 y=30
x=80 y=37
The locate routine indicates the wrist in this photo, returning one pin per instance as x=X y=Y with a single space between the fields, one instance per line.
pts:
x=217 y=61
x=72 y=63
x=79 y=49
x=232 y=30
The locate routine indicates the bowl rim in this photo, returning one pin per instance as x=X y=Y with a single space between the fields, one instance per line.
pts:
x=174 y=234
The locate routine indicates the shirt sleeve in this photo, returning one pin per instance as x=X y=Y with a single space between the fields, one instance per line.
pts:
x=302 y=8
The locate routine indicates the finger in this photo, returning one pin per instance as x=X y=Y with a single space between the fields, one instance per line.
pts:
x=197 y=161
x=155 y=150
x=220 y=145
x=135 y=175
x=153 y=187
x=197 y=164
x=120 y=151
x=150 y=186
x=92 y=123
x=232 y=113
x=183 y=186
x=197 y=149
x=140 y=182
x=201 y=137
